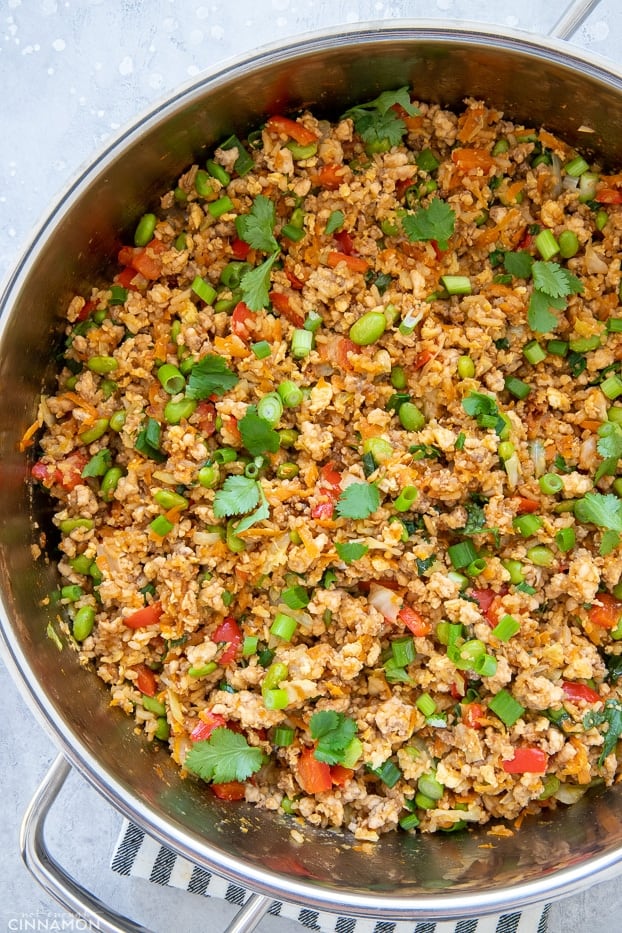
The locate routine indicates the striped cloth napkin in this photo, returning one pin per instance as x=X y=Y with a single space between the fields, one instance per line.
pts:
x=137 y=855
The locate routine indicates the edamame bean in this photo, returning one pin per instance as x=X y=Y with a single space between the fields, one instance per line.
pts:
x=411 y=417
x=145 y=229
x=110 y=482
x=174 y=412
x=369 y=328
x=83 y=623
x=102 y=365
x=95 y=432
x=209 y=475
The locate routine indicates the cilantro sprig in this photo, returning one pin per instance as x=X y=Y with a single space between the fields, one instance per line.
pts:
x=257 y=229
x=351 y=550
x=604 y=510
x=358 y=500
x=258 y=435
x=210 y=376
x=238 y=495
x=333 y=732
x=484 y=409
x=611 y=714
x=435 y=222
x=225 y=756
x=377 y=122
x=609 y=446
x=552 y=286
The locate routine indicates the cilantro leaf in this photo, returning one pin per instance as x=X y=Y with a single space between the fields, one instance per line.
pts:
x=518 y=264
x=539 y=316
x=358 y=500
x=478 y=403
x=612 y=715
x=256 y=228
x=351 y=550
x=225 y=756
x=609 y=542
x=255 y=284
x=602 y=510
x=333 y=732
x=261 y=513
x=148 y=441
x=554 y=281
x=435 y=222
x=210 y=376
x=377 y=123
x=237 y=495
x=258 y=436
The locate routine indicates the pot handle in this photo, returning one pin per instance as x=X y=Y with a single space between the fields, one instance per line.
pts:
x=570 y=20
x=68 y=892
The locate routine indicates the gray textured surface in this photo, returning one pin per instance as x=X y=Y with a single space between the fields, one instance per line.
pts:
x=72 y=74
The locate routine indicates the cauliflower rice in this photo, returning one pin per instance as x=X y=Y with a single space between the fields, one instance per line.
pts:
x=334 y=459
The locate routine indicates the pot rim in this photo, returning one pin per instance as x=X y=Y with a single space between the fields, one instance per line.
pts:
x=262 y=880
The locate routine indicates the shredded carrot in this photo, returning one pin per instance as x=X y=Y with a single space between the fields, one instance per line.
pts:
x=28 y=435
x=309 y=544
x=231 y=346
x=173 y=514
x=471 y=123
x=469 y=160
x=552 y=142
x=80 y=402
x=590 y=425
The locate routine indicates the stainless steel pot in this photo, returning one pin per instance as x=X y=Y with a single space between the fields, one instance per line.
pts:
x=534 y=81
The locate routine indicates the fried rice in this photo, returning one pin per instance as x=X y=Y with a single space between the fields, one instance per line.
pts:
x=334 y=463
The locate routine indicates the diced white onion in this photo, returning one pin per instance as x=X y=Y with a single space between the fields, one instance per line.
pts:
x=385 y=601
x=536 y=451
x=593 y=262
x=569 y=793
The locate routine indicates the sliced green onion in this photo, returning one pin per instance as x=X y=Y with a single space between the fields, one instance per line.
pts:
x=388 y=772
x=249 y=645
x=204 y=671
x=410 y=821
x=576 y=167
x=459 y=578
x=527 y=525
x=403 y=650
x=429 y=785
x=406 y=498
x=584 y=344
x=557 y=347
x=287 y=470
x=233 y=273
x=118 y=294
x=202 y=184
x=541 y=556
x=378 y=447
x=456 y=284
x=71 y=592
x=302 y=343
x=534 y=353
x=203 y=290
x=506 y=707
x=283 y=626
x=612 y=387
x=283 y=736
x=290 y=394
x=425 y=704
x=145 y=229
x=588 y=183
x=68 y=525
x=424 y=802
x=550 y=484
x=546 y=244
x=517 y=387
x=261 y=349
x=601 y=219
x=244 y=162
x=506 y=628
x=295 y=597
x=295 y=234
x=171 y=379
x=275 y=699
x=274 y=675
x=162 y=730
x=614 y=325
x=462 y=554
x=476 y=567
x=270 y=408
x=225 y=455
x=565 y=539
x=313 y=321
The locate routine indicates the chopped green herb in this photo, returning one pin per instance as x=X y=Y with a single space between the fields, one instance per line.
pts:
x=518 y=264
x=256 y=228
x=351 y=550
x=611 y=714
x=210 y=376
x=238 y=495
x=333 y=732
x=334 y=222
x=258 y=436
x=255 y=284
x=377 y=123
x=435 y=222
x=225 y=756
x=602 y=510
x=358 y=500
x=148 y=441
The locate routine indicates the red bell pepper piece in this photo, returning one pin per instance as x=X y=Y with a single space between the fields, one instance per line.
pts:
x=329 y=176
x=230 y=790
x=205 y=414
x=240 y=249
x=473 y=715
x=606 y=611
x=354 y=263
x=526 y=759
x=228 y=632
x=574 y=692
x=148 y=615
x=206 y=726
x=242 y=315
x=146 y=680
x=281 y=302
x=414 y=621
x=340 y=775
x=296 y=131
x=313 y=776
x=608 y=196
x=344 y=242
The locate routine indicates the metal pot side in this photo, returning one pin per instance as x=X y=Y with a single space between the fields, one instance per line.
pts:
x=404 y=875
